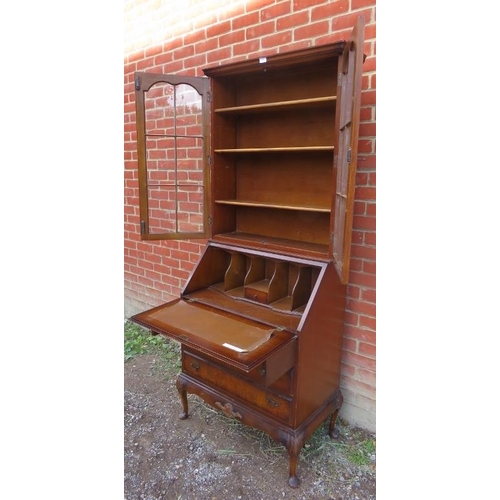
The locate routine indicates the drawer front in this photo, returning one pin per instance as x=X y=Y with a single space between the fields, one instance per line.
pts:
x=274 y=404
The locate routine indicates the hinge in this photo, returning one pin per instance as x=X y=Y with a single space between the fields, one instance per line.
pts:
x=210 y=160
x=143 y=227
x=339 y=81
x=349 y=155
x=137 y=83
x=210 y=220
x=209 y=96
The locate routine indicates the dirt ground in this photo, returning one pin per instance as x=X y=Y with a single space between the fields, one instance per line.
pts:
x=211 y=457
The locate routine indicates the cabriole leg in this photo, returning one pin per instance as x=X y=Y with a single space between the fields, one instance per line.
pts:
x=181 y=387
x=293 y=451
x=332 y=431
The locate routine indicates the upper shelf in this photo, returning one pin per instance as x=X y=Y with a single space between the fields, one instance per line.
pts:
x=281 y=105
x=282 y=206
x=276 y=150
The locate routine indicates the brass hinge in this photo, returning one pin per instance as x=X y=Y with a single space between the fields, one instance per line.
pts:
x=349 y=153
x=339 y=81
x=210 y=160
x=137 y=83
x=210 y=220
x=209 y=96
x=143 y=227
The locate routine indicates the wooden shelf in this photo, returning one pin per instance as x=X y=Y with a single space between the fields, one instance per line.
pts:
x=278 y=106
x=283 y=206
x=279 y=245
x=301 y=149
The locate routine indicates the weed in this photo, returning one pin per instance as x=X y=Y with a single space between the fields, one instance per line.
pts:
x=360 y=453
x=140 y=341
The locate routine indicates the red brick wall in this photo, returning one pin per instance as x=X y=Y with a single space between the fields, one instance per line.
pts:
x=184 y=37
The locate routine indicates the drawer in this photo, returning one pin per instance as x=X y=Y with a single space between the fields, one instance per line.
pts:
x=278 y=405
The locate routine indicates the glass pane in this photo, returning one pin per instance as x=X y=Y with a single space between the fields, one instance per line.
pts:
x=338 y=242
x=343 y=170
x=160 y=109
x=188 y=116
x=189 y=160
x=161 y=209
x=189 y=208
x=160 y=160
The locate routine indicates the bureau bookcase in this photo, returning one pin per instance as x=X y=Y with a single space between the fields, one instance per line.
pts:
x=259 y=158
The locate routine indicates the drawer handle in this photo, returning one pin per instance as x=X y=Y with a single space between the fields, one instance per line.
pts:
x=195 y=366
x=227 y=409
x=272 y=402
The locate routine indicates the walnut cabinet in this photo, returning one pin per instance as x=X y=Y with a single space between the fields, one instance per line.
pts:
x=259 y=158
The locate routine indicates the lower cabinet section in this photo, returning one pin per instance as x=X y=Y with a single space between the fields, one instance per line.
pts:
x=275 y=404
x=258 y=408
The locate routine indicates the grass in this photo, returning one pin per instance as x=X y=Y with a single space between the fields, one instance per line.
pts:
x=140 y=341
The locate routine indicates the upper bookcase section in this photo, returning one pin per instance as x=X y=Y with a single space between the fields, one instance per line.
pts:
x=262 y=153
x=284 y=142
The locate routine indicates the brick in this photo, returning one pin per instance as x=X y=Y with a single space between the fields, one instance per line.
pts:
x=304 y=4
x=277 y=40
x=245 y=21
x=260 y=30
x=349 y=345
x=359 y=208
x=218 y=29
x=368 y=97
x=347 y=21
x=217 y=55
x=367 y=349
x=195 y=62
x=363 y=251
x=359 y=307
x=358 y=386
x=292 y=21
x=367 y=322
x=368 y=295
x=367 y=129
x=369 y=64
x=363 y=222
x=312 y=30
x=232 y=38
x=279 y=9
x=365 y=193
x=183 y=52
x=356 y=360
x=354 y=292
x=330 y=9
x=206 y=45
x=361 y=334
x=362 y=279
x=246 y=47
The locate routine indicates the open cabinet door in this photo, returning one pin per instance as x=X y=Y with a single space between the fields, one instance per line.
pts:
x=173 y=123
x=345 y=155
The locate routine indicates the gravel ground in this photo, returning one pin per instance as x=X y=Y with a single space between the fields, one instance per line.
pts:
x=209 y=456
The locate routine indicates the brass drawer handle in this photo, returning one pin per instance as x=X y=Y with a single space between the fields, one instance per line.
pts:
x=272 y=402
x=195 y=366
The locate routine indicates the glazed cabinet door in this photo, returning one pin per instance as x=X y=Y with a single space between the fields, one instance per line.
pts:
x=173 y=122
x=345 y=155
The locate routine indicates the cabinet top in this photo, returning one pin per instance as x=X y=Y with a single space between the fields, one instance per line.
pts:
x=303 y=57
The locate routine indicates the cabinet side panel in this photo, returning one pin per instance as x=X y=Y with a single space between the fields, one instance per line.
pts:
x=320 y=346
